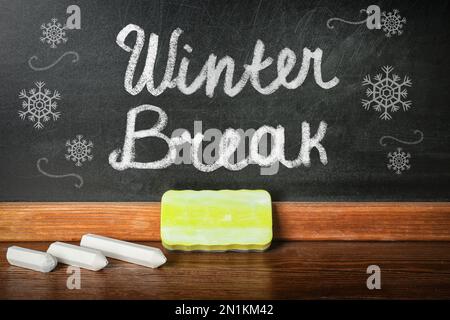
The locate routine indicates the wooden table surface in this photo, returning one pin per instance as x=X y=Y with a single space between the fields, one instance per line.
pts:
x=289 y=270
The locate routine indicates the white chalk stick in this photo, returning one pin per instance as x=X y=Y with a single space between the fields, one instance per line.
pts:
x=126 y=251
x=78 y=256
x=31 y=259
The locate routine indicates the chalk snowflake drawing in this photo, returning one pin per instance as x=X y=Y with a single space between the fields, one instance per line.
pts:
x=398 y=161
x=387 y=93
x=39 y=105
x=79 y=150
x=392 y=23
x=53 y=33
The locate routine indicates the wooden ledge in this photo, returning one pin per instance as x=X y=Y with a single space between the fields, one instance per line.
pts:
x=288 y=270
x=139 y=221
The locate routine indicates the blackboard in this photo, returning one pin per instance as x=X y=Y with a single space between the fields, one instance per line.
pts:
x=83 y=70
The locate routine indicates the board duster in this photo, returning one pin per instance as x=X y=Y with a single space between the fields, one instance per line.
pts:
x=223 y=220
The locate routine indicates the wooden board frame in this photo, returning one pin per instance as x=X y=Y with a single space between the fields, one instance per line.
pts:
x=139 y=221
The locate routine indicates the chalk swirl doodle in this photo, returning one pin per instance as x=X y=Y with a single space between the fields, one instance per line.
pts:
x=77 y=185
x=76 y=58
x=416 y=132
x=329 y=21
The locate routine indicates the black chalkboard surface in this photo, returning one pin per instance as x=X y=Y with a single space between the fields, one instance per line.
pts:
x=381 y=87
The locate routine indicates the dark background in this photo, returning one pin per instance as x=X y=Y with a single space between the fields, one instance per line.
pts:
x=94 y=102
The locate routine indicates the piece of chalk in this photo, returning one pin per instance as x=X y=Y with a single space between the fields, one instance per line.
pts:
x=78 y=256
x=125 y=251
x=31 y=259
x=239 y=220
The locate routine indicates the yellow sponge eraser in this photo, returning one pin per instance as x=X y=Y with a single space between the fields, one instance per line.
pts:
x=216 y=220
